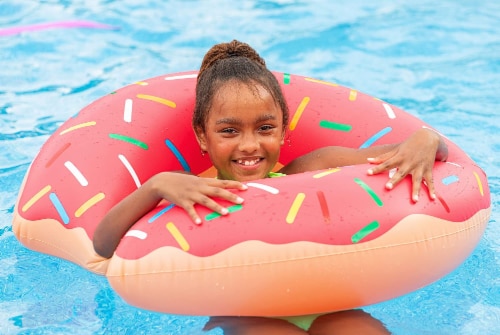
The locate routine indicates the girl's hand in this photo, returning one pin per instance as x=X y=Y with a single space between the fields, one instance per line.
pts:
x=186 y=190
x=415 y=156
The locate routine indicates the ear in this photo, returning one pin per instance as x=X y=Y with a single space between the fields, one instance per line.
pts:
x=201 y=138
x=283 y=134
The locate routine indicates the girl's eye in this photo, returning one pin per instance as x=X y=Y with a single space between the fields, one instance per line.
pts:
x=266 y=128
x=228 y=131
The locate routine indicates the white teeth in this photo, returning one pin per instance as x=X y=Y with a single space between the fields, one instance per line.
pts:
x=248 y=163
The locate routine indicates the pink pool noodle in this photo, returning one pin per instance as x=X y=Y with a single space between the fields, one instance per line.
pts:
x=62 y=24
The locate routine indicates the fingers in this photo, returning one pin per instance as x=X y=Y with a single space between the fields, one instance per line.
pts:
x=204 y=194
x=418 y=178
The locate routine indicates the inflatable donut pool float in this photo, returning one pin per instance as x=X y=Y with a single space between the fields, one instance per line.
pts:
x=315 y=242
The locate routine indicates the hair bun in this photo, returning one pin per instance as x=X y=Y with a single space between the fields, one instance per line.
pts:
x=232 y=49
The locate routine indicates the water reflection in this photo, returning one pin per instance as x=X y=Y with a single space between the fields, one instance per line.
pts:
x=352 y=322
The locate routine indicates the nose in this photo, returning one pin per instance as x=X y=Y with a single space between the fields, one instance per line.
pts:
x=249 y=143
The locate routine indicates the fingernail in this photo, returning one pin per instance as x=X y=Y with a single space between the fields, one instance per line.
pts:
x=370 y=172
x=224 y=211
x=370 y=159
x=388 y=186
x=244 y=187
x=239 y=200
x=197 y=221
x=433 y=196
x=415 y=198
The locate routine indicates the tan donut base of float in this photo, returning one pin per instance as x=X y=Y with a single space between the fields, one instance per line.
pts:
x=340 y=277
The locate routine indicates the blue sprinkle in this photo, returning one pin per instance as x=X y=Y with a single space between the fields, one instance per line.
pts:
x=376 y=137
x=59 y=207
x=178 y=155
x=160 y=213
x=450 y=180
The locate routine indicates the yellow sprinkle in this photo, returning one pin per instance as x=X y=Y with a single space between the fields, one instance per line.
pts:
x=78 y=126
x=292 y=213
x=157 y=99
x=321 y=82
x=325 y=173
x=178 y=236
x=352 y=95
x=142 y=83
x=89 y=203
x=36 y=197
x=479 y=183
x=298 y=113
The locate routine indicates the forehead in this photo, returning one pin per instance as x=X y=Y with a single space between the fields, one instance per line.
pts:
x=234 y=96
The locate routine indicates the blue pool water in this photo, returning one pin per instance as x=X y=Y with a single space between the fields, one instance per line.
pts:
x=439 y=60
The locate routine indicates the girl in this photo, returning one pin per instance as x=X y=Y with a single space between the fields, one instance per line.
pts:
x=239 y=119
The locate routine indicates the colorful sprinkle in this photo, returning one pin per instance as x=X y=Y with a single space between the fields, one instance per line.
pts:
x=320 y=82
x=76 y=173
x=157 y=99
x=353 y=94
x=335 y=125
x=160 y=213
x=178 y=155
x=294 y=209
x=263 y=187
x=325 y=173
x=78 y=126
x=365 y=231
x=230 y=209
x=389 y=111
x=127 y=111
x=57 y=154
x=368 y=190
x=141 y=83
x=137 y=234
x=449 y=180
x=179 y=238
x=130 y=140
x=376 y=137
x=298 y=112
x=479 y=183
x=445 y=205
x=184 y=76
x=36 y=197
x=89 y=203
x=130 y=170
x=324 y=206
x=286 y=78
x=59 y=207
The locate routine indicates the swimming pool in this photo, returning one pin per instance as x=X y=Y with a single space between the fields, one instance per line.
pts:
x=438 y=61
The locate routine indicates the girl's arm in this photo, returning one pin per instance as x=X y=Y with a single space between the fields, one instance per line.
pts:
x=414 y=156
x=183 y=190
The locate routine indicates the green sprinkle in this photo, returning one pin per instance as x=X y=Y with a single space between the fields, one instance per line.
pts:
x=286 y=78
x=215 y=215
x=129 y=140
x=335 y=125
x=369 y=191
x=365 y=231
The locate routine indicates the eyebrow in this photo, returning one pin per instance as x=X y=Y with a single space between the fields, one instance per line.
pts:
x=232 y=120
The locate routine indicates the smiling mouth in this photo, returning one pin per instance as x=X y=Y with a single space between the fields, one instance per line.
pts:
x=248 y=162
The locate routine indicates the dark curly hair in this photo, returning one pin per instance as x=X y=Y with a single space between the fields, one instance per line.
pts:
x=233 y=61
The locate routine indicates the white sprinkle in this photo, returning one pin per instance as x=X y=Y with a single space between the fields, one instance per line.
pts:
x=185 y=76
x=130 y=170
x=76 y=173
x=389 y=111
x=127 y=111
x=137 y=233
x=267 y=188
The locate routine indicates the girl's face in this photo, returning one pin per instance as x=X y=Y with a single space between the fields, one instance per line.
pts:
x=243 y=132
